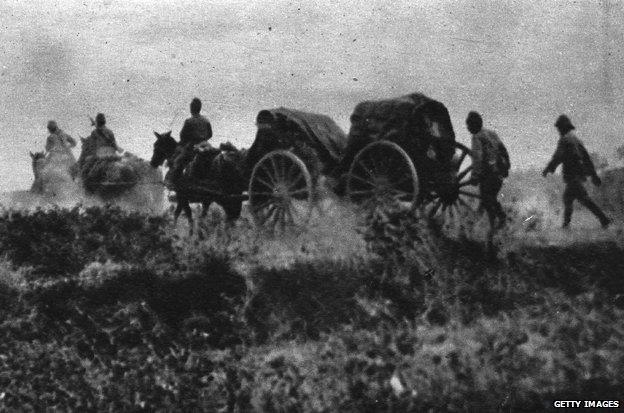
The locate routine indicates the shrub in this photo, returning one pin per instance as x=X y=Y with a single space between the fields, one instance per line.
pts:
x=59 y=242
x=306 y=298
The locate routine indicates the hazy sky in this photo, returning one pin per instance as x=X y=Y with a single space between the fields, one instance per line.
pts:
x=519 y=63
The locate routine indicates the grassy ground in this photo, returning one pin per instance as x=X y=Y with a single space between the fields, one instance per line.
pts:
x=103 y=309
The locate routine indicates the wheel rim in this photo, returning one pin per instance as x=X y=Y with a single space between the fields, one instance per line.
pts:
x=280 y=192
x=382 y=172
x=455 y=205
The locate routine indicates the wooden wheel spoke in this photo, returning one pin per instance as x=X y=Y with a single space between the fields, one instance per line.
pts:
x=268 y=173
x=465 y=183
x=257 y=206
x=470 y=194
x=289 y=213
x=265 y=183
x=461 y=159
x=435 y=208
x=284 y=170
x=370 y=172
x=284 y=217
x=295 y=184
x=369 y=192
x=277 y=216
x=398 y=192
x=464 y=173
x=464 y=203
x=266 y=213
x=292 y=169
x=276 y=170
x=263 y=218
x=369 y=183
x=299 y=191
x=261 y=193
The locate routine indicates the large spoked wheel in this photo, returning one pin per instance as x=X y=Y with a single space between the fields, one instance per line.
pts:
x=454 y=199
x=381 y=172
x=280 y=192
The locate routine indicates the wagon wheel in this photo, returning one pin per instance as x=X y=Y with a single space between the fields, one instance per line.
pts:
x=454 y=200
x=280 y=192
x=382 y=172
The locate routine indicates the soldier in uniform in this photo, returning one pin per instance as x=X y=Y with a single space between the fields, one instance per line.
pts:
x=58 y=141
x=196 y=130
x=103 y=139
x=577 y=166
x=264 y=141
x=59 y=145
x=490 y=166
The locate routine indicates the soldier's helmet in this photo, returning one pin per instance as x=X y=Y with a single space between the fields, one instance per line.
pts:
x=564 y=123
x=52 y=126
x=100 y=119
x=196 y=105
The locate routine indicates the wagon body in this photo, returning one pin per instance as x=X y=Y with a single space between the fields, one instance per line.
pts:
x=401 y=148
x=419 y=125
x=305 y=131
x=406 y=148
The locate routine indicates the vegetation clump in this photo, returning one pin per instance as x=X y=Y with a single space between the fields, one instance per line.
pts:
x=103 y=309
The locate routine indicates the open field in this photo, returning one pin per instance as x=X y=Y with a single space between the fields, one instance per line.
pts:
x=105 y=309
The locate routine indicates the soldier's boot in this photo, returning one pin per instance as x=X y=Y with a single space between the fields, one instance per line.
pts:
x=595 y=209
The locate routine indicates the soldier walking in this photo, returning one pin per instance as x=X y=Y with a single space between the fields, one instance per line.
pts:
x=577 y=166
x=490 y=166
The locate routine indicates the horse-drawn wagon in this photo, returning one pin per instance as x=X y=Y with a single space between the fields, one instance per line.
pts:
x=402 y=149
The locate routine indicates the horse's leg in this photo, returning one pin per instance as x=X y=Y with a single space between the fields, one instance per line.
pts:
x=205 y=207
x=189 y=215
x=232 y=210
x=178 y=210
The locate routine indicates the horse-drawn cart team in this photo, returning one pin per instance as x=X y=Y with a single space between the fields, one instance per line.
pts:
x=402 y=149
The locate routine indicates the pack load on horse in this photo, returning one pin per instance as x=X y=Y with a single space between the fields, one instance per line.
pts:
x=107 y=173
x=405 y=149
x=102 y=170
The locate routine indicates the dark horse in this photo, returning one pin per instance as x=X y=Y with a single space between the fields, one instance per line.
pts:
x=213 y=175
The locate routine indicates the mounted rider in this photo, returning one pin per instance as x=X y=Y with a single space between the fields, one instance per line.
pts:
x=59 y=146
x=196 y=130
x=58 y=141
x=102 y=139
x=99 y=152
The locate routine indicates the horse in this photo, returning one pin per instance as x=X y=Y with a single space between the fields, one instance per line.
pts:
x=212 y=175
x=38 y=161
x=53 y=173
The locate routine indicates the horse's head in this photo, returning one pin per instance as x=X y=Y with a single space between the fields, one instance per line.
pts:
x=37 y=156
x=38 y=159
x=164 y=148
